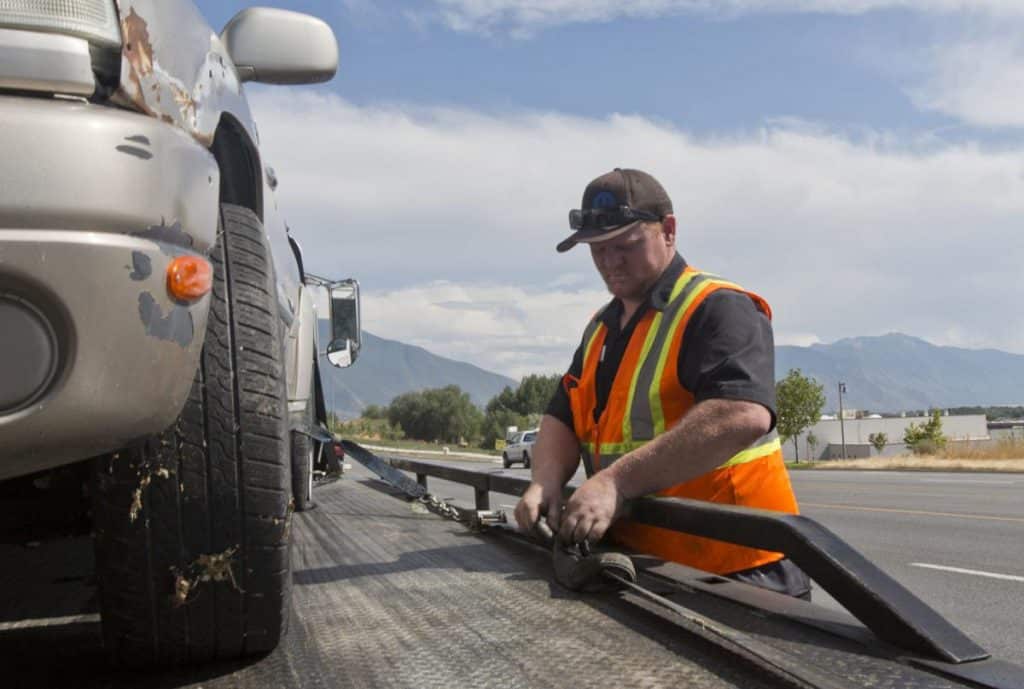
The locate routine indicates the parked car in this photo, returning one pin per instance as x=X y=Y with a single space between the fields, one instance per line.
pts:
x=519 y=449
x=155 y=314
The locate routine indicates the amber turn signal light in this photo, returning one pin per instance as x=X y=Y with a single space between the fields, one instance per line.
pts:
x=189 y=277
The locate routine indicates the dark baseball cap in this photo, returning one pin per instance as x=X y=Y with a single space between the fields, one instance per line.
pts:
x=635 y=190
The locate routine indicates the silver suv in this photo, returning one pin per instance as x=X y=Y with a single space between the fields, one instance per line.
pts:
x=154 y=311
x=519 y=448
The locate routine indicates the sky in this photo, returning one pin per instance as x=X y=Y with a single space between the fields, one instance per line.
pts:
x=859 y=163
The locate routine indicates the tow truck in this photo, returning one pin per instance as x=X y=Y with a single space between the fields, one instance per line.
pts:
x=157 y=317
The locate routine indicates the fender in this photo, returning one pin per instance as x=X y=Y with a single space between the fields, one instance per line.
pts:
x=300 y=379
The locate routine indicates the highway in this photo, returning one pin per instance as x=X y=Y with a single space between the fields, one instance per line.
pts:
x=954 y=539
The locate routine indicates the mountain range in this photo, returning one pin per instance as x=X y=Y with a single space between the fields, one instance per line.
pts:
x=887 y=373
x=895 y=372
x=387 y=368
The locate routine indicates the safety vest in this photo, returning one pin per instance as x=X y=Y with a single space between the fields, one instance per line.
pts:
x=647 y=399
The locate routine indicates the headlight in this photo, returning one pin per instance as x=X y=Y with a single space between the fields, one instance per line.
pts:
x=93 y=20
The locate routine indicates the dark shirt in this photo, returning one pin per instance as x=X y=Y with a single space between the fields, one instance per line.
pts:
x=727 y=353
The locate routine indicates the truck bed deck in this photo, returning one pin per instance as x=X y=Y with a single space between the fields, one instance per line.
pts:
x=387 y=594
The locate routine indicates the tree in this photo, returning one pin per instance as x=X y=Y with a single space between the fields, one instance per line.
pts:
x=878 y=441
x=521 y=407
x=812 y=444
x=440 y=414
x=926 y=438
x=799 y=400
x=375 y=411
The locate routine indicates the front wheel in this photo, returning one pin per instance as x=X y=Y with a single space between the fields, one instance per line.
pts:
x=505 y=461
x=191 y=525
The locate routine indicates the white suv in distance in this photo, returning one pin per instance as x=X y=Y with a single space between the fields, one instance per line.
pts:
x=519 y=449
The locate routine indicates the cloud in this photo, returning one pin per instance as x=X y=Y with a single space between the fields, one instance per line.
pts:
x=509 y=329
x=977 y=79
x=524 y=16
x=450 y=217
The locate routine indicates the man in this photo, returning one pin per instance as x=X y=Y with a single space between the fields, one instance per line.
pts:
x=670 y=392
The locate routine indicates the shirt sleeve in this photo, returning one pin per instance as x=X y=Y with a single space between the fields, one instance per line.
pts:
x=729 y=352
x=559 y=406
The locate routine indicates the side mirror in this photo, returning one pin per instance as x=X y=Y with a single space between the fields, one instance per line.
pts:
x=280 y=47
x=346 y=324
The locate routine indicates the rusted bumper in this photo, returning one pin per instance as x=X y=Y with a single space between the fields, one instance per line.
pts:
x=94 y=204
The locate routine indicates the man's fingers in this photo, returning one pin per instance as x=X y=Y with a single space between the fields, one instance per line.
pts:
x=554 y=514
x=527 y=512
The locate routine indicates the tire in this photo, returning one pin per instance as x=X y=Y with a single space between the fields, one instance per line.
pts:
x=303 y=455
x=192 y=525
x=526 y=459
x=504 y=460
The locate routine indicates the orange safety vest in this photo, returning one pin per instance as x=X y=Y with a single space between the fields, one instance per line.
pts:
x=646 y=399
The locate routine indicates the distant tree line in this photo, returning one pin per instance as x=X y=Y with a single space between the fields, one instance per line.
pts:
x=991 y=413
x=448 y=415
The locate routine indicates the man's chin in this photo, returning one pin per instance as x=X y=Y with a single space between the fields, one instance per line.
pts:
x=621 y=290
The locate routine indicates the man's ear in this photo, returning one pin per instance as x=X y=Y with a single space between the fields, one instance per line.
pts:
x=668 y=229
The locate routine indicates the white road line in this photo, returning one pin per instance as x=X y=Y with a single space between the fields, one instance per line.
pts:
x=975 y=572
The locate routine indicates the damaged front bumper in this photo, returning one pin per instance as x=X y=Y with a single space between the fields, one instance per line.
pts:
x=94 y=204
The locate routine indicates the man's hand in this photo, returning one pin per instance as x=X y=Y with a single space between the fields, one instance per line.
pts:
x=591 y=510
x=536 y=501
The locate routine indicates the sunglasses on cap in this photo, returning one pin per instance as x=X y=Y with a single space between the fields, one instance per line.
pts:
x=607 y=218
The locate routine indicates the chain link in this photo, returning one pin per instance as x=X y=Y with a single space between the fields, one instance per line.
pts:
x=440 y=507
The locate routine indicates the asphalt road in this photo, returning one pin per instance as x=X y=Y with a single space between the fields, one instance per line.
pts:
x=954 y=539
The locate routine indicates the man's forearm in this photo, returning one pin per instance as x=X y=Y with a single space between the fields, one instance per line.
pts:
x=556 y=455
x=704 y=439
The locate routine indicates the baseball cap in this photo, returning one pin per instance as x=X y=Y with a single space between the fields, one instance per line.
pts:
x=611 y=204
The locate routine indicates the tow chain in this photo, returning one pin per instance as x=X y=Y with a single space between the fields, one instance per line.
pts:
x=477 y=520
x=440 y=507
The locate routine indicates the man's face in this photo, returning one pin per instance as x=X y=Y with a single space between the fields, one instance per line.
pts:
x=631 y=263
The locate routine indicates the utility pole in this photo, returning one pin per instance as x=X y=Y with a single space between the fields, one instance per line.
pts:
x=842 y=427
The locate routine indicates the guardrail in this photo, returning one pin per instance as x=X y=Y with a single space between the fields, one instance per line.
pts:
x=881 y=603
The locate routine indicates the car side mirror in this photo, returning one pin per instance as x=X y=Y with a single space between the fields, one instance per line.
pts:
x=346 y=324
x=280 y=47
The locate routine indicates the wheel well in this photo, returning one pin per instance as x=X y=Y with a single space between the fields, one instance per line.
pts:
x=241 y=176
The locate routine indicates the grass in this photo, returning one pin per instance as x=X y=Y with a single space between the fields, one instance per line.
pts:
x=1007 y=449
x=912 y=463
x=1004 y=455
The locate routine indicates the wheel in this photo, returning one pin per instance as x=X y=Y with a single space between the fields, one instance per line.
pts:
x=505 y=461
x=526 y=460
x=191 y=526
x=303 y=455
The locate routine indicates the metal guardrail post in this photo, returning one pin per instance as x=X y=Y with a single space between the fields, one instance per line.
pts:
x=483 y=498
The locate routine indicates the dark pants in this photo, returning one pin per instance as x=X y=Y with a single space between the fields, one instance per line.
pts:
x=782 y=576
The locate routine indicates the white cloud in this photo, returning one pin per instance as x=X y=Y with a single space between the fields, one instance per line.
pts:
x=978 y=80
x=509 y=329
x=450 y=217
x=523 y=16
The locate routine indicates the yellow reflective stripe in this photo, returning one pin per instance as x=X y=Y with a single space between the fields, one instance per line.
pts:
x=627 y=417
x=681 y=284
x=656 y=411
x=621 y=448
x=654 y=393
x=589 y=344
x=752 y=453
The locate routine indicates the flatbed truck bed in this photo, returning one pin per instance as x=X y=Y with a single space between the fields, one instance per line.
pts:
x=388 y=594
